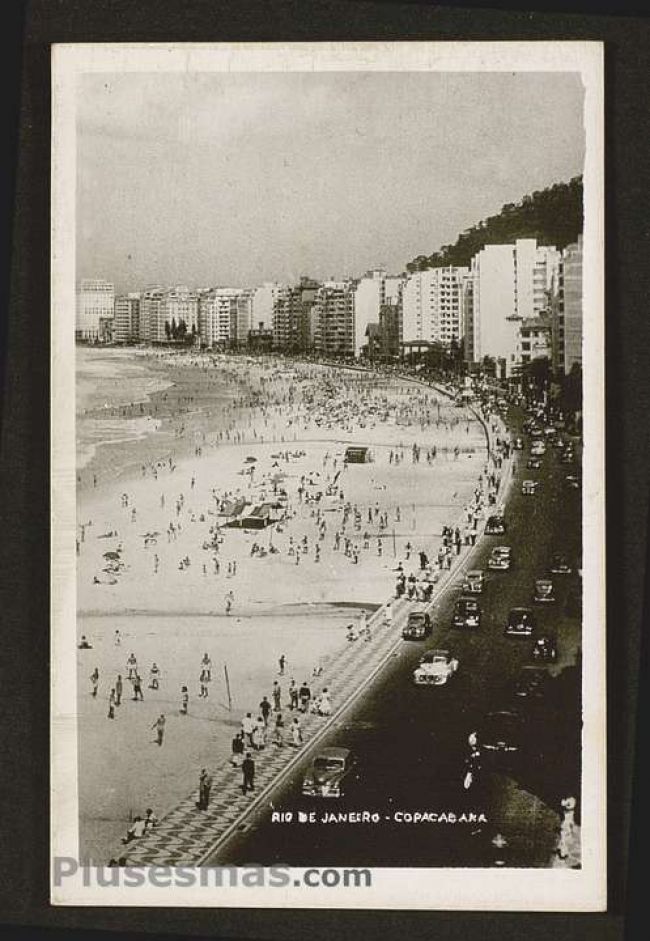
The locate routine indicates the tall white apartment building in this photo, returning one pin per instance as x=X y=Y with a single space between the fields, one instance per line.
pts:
x=369 y=294
x=334 y=319
x=432 y=305
x=151 y=316
x=218 y=316
x=244 y=320
x=126 y=326
x=95 y=310
x=179 y=306
x=263 y=300
x=509 y=285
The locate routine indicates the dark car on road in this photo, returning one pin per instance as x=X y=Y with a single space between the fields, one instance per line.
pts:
x=560 y=566
x=501 y=736
x=531 y=684
x=330 y=773
x=545 y=648
x=495 y=526
x=417 y=627
x=467 y=613
x=520 y=623
x=543 y=592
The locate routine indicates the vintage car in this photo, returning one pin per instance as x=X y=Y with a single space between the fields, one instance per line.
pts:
x=520 y=623
x=330 y=773
x=518 y=444
x=418 y=625
x=436 y=666
x=538 y=448
x=500 y=734
x=529 y=488
x=500 y=559
x=568 y=457
x=572 y=481
x=474 y=581
x=531 y=683
x=543 y=592
x=495 y=526
x=533 y=463
x=559 y=565
x=545 y=648
x=467 y=613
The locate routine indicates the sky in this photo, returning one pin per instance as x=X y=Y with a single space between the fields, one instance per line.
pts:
x=207 y=179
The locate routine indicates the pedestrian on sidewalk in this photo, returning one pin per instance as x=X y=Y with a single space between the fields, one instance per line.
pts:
x=118 y=689
x=293 y=694
x=248 y=774
x=304 y=695
x=259 y=734
x=278 y=731
x=276 y=692
x=296 y=733
x=237 y=748
x=150 y=820
x=159 y=726
x=205 y=784
x=248 y=725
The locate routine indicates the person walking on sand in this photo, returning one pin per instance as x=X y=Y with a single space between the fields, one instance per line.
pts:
x=137 y=688
x=111 y=705
x=293 y=695
x=132 y=666
x=185 y=698
x=248 y=774
x=94 y=679
x=154 y=676
x=118 y=638
x=305 y=696
x=206 y=664
x=159 y=726
x=203 y=684
x=229 y=602
x=281 y=663
x=118 y=689
x=265 y=709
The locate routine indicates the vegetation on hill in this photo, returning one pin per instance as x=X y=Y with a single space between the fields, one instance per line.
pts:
x=553 y=216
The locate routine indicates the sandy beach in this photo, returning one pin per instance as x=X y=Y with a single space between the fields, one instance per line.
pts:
x=158 y=564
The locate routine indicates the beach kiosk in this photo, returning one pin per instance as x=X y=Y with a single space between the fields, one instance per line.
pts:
x=358 y=455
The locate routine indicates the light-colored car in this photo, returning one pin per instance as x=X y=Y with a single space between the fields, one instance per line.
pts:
x=330 y=772
x=436 y=666
x=474 y=581
x=500 y=559
x=529 y=488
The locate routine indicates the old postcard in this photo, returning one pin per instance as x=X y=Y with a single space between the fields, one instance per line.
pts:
x=328 y=476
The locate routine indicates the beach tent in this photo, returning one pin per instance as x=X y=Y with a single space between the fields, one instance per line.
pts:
x=357 y=455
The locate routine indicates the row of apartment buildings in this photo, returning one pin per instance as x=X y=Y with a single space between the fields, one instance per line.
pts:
x=513 y=304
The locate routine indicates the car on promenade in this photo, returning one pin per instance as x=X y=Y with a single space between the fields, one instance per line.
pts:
x=467 y=613
x=543 y=592
x=500 y=559
x=500 y=736
x=418 y=625
x=520 y=623
x=436 y=666
x=545 y=648
x=529 y=488
x=531 y=684
x=518 y=444
x=474 y=582
x=559 y=565
x=568 y=457
x=572 y=481
x=330 y=773
x=495 y=526
x=533 y=463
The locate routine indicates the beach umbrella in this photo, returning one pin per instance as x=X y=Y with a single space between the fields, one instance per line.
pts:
x=250 y=460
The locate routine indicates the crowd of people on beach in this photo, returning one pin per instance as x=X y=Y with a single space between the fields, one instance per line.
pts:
x=287 y=402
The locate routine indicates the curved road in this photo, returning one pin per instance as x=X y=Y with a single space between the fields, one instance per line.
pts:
x=411 y=741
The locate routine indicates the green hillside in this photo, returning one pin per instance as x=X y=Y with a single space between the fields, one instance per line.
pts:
x=552 y=216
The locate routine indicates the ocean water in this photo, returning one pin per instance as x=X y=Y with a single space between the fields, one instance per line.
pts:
x=107 y=379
